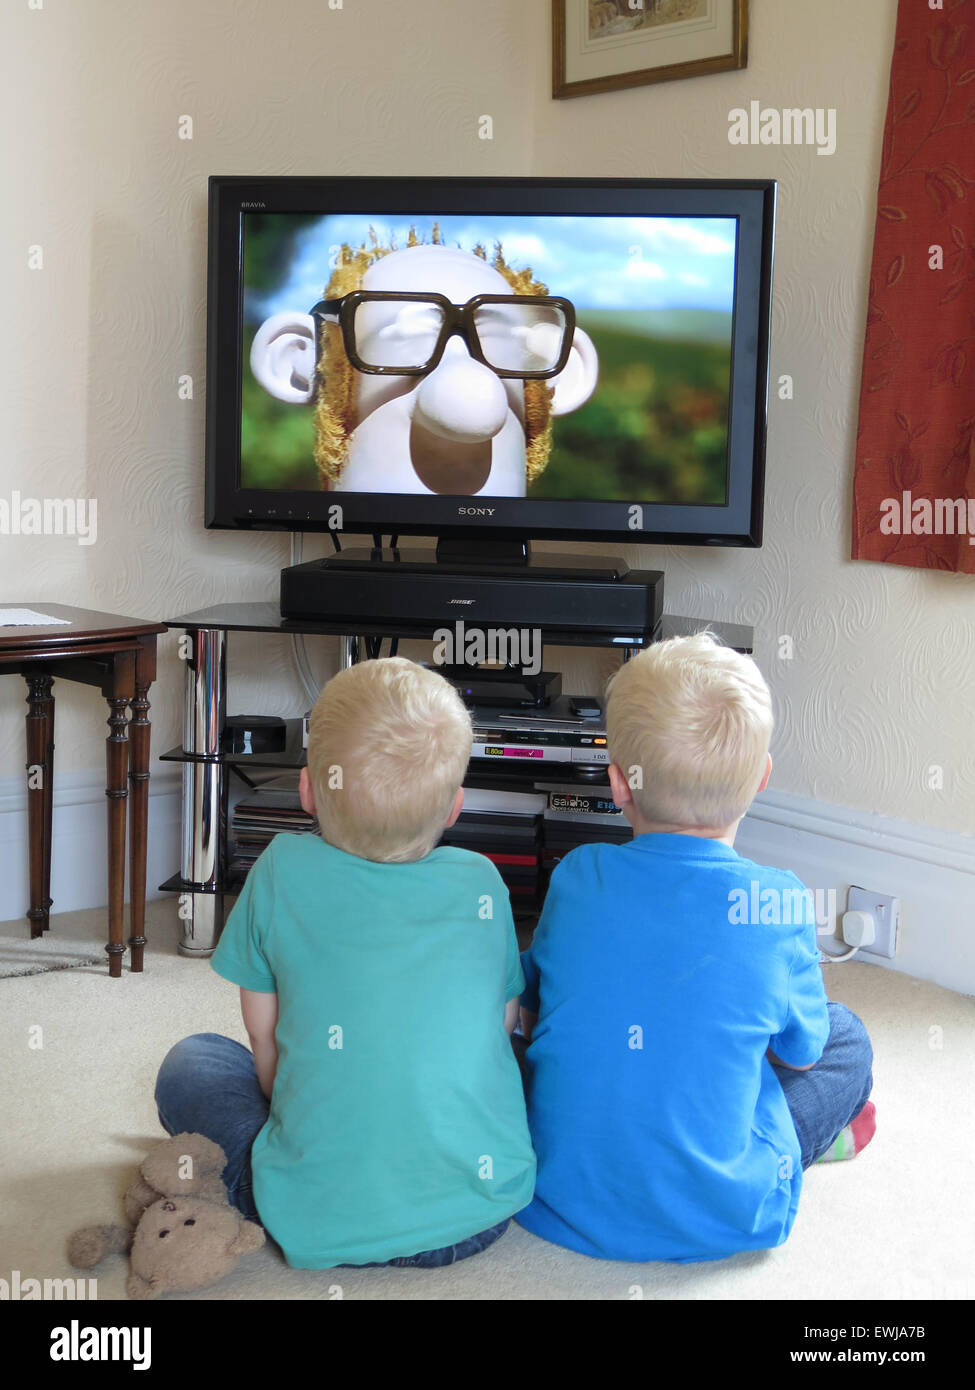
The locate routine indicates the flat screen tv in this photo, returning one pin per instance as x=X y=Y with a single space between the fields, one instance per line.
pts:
x=510 y=358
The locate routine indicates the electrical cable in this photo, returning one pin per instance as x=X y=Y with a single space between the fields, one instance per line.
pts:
x=828 y=955
x=311 y=688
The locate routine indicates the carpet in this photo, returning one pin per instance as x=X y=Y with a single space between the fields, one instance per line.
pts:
x=895 y=1222
x=19 y=955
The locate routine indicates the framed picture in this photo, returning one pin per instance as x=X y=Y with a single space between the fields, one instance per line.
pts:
x=605 y=45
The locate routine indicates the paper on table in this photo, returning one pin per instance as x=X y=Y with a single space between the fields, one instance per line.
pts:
x=26 y=617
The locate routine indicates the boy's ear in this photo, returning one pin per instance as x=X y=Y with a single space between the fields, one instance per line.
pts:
x=768 y=774
x=619 y=786
x=305 y=793
x=456 y=809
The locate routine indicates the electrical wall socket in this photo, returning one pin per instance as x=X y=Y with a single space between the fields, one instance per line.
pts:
x=885 y=910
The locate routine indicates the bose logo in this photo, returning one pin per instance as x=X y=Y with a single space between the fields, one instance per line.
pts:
x=475 y=511
x=462 y=600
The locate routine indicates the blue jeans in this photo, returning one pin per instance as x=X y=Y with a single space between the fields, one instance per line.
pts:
x=208 y=1085
x=825 y=1099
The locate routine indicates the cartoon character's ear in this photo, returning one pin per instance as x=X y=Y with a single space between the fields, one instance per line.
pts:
x=283 y=357
x=576 y=381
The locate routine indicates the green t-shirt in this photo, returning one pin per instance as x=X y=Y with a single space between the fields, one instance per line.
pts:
x=397 y=1122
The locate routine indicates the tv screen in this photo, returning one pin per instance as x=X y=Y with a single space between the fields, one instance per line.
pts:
x=575 y=358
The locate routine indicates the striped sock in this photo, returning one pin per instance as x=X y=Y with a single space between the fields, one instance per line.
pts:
x=854 y=1137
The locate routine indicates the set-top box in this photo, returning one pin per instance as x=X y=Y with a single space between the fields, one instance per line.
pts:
x=528 y=741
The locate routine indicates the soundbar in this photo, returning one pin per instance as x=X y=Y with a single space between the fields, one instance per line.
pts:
x=543 y=598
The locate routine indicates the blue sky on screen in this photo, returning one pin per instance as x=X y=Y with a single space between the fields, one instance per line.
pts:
x=599 y=263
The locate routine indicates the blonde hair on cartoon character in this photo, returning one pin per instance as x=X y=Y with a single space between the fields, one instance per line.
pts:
x=336 y=377
x=388 y=746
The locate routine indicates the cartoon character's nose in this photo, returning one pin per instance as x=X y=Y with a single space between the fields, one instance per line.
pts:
x=461 y=399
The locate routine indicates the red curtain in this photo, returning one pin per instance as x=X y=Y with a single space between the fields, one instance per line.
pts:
x=914 y=481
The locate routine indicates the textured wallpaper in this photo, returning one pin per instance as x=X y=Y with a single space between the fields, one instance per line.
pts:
x=872 y=668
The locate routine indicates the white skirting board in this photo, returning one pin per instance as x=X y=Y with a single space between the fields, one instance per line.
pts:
x=79 y=849
x=931 y=871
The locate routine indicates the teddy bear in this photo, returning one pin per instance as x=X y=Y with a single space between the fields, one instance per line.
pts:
x=181 y=1231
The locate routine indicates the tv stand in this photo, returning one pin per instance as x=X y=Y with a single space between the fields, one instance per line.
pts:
x=203 y=879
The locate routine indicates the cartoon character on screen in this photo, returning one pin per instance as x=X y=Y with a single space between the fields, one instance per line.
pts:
x=431 y=370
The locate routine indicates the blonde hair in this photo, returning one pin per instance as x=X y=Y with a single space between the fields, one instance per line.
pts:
x=689 y=723
x=388 y=746
x=336 y=378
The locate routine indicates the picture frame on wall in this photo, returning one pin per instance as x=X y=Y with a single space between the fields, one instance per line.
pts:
x=608 y=45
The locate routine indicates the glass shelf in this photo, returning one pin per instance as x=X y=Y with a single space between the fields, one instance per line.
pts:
x=266 y=617
x=292 y=755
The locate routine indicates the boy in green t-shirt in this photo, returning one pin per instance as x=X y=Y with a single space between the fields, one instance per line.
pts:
x=379 y=1117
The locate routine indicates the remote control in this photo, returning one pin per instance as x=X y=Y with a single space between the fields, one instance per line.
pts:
x=585 y=706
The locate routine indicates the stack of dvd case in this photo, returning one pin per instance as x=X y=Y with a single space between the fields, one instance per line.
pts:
x=524 y=832
x=576 y=816
x=506 y=827
x=272 y=808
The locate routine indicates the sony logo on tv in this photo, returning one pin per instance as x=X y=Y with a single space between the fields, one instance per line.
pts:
x=475 y=511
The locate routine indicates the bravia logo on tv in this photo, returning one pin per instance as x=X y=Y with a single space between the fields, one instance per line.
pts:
x=253 y=205
x=475 y=511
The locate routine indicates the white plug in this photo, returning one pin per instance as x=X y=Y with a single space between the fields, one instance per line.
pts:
x=859 y=928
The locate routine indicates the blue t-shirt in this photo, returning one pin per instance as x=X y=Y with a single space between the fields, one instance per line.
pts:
x=661 y=972
x=397 y=1120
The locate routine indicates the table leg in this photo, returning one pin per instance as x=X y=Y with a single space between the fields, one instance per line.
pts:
x=48 y=814
x=40 y=796
x=139 y=734
x=117 y=761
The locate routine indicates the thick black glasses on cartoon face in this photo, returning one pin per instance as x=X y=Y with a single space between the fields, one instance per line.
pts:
x=387 y=333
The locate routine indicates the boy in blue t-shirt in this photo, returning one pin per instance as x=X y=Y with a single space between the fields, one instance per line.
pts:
x=684 y=1064
x=379 y=1117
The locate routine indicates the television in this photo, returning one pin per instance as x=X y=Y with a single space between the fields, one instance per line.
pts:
x=502 y=358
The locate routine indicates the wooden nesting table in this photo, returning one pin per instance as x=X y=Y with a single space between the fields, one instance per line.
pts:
x=118 y=655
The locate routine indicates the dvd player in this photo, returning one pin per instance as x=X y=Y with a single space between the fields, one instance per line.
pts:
x=557 y=736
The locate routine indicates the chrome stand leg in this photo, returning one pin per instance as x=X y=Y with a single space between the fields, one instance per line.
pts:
x=204 y=787
x=348 y=652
